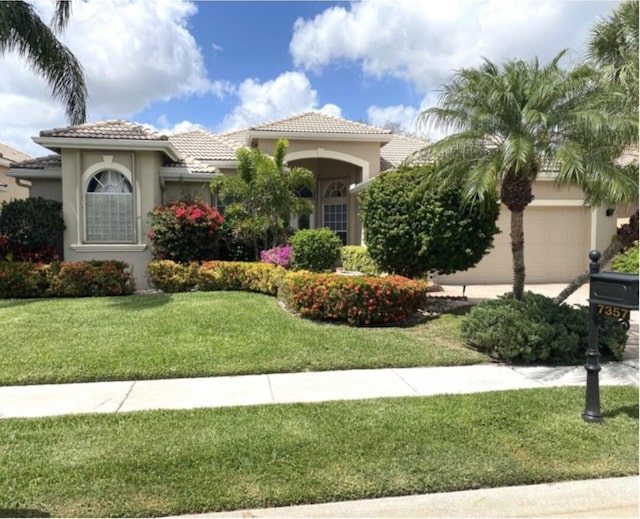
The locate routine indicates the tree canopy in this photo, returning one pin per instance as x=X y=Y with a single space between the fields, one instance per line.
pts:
x=22 y=30
x=264 y=196
x=509 y=123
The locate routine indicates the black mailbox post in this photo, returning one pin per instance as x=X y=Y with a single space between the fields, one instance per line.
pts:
x=612 y=294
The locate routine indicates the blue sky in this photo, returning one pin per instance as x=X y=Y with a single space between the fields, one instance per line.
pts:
x=177 y=65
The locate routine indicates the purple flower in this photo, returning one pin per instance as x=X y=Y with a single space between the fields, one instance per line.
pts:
x=278 y=256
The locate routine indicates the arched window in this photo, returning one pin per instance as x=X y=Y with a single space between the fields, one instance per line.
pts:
x=335 y=190
x=109 y=214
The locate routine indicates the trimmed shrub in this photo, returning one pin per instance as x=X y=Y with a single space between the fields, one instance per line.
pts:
x=315 y=250
x=235 y=275
x=537 y=329
x=628 y=233
x=91 y=278
x=357 y=258
x=627 y=261
x=169 y=276
x=185 y=231
x=64 y=279
x=22 y=279
x=357 y=300
x=277 y=256
x=32 y=228
x=411 y=232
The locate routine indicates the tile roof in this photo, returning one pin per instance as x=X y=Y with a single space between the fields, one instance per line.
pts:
x=204 y=145
x=11 y=154
x=398 y=149
x=239 y=137
x=49 y=161
x=110 y=129
x=194 y=165
x=317 y=122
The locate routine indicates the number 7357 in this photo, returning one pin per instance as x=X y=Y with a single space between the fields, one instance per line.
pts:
x=614 y=311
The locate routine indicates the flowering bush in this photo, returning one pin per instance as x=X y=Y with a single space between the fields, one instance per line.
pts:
x=357 y=300
x=185 y=231
x=22 y=279
x=237 y=275
x=216 y=275
x=10 y=251
x=65 y=279
x=91 y=278
x=170 y=276
x=277 y=256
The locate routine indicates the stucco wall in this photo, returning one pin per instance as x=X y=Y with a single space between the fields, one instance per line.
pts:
x=363 y=154
x=144 y=167
x=176 y=190
x=48 y=188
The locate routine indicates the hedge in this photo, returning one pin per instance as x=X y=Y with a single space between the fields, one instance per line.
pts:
x=65 y=279
x=357 y=300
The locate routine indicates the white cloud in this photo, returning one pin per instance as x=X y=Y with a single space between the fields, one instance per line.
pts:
x=422 y=42
x=133 y=53
x=289 y=93
x=401 y=116
x=165 y=127
x=331 y=109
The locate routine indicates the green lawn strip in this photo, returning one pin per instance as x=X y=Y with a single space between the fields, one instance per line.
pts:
x=176 y=462
x=201 y=334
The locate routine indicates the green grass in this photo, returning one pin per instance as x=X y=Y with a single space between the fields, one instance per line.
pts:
x=176 y=462
x=201 y=334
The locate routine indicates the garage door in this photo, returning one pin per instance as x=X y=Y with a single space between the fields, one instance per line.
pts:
x=556 y=248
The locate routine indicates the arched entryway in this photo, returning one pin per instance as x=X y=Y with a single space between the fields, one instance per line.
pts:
x=334 y=207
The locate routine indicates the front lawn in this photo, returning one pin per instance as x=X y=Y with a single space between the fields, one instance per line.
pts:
x=178 y=462
x=201 y=334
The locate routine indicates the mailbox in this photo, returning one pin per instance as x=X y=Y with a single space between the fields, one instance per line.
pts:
x=614 y=290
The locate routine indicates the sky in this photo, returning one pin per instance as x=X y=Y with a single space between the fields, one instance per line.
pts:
x=176 y=65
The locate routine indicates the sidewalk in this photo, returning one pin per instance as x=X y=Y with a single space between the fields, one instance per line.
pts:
x=286 y=388
x=616 y=497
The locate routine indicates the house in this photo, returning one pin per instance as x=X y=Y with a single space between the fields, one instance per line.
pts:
x=109 y=175
x=11 y=188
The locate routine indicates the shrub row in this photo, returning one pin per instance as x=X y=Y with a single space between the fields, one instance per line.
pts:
x=537 y=329
x=357 y=300
x=169 y=276
x=65 y=279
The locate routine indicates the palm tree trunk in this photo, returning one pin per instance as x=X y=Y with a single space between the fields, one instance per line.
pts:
x=614 y=247
x=517 y=253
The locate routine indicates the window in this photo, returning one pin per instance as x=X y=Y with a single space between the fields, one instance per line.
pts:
x=334 y=209
x=109 y=215
x=335 y=218
x=335 y=190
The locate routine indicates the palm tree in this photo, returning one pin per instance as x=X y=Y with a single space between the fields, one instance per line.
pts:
x=613 y=48
x=513 y=122
x=21 y=29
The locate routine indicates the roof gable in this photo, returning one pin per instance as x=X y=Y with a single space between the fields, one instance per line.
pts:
x=318 y=123
x=110 y=129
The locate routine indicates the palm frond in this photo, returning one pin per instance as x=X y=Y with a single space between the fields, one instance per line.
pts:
x=22 y=30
